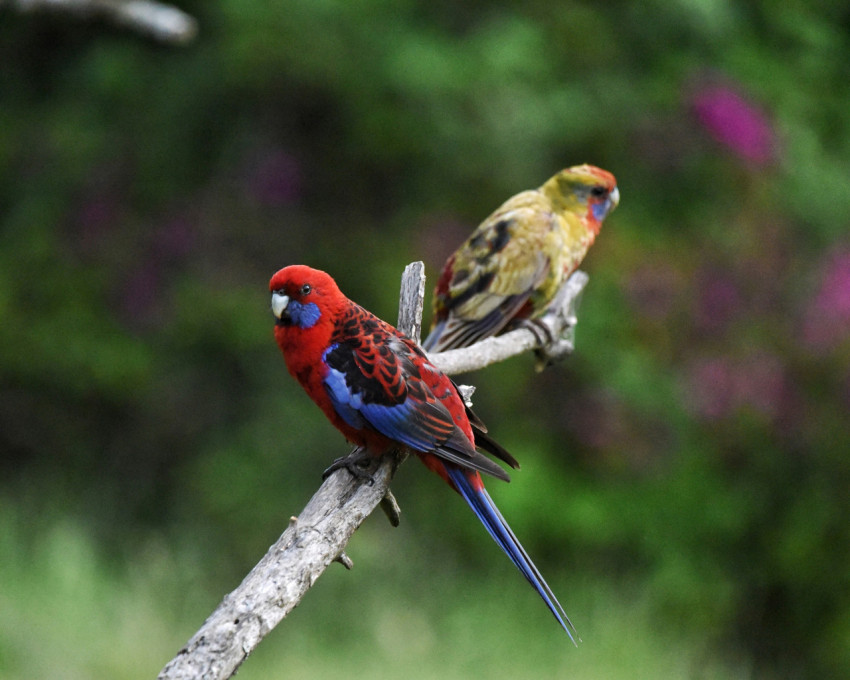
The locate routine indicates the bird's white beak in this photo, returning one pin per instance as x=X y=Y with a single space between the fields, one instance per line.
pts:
x=279 y=304
x=614 y=197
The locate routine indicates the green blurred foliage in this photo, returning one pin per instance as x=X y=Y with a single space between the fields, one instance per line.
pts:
x=694 y=448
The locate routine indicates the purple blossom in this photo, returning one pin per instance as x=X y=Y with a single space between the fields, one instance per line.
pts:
x=98 y=212
x=846 y=391
x=141 y=291
x=275 y=179
x=826 y=322
x=711 y=384
x=762 y=385
x=734 y=121
x=94 y=219
x=721 y=386
x=719 y=301
x=652 y=289
x=175 y=239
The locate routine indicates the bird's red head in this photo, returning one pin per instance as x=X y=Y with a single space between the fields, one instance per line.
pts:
x=301 y=296
x=306 y=304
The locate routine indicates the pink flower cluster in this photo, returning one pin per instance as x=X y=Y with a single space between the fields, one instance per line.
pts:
x=826 y=322
x=734 y=121
x=721 y=386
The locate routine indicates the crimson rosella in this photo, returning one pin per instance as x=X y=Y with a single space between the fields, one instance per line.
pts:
x=378 y=388
x=517 y=259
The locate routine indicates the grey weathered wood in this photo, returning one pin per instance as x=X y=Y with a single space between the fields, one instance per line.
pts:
x=412 y=300
x=276 y=585
x=318 y=536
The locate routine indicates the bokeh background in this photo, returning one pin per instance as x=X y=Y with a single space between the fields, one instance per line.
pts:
x=686 y=479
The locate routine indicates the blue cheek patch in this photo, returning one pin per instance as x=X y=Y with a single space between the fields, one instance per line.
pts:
x=304 y=316
x=600 y=210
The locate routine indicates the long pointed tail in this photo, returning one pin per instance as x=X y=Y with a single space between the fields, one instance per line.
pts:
x=481 y=503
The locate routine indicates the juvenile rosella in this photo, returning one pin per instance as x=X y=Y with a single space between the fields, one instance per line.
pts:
x=378 y=388
x=517 y=259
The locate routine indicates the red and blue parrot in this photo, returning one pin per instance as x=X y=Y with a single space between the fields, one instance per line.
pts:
x=378 y=388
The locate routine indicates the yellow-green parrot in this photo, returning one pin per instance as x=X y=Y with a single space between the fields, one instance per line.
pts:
x=517 y=259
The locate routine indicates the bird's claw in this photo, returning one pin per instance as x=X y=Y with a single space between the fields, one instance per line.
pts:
x=359 y=464
x=555 y=348
x=541 y=331
x=555 y=330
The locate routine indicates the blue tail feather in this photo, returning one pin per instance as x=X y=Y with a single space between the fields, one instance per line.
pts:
x=486 y=511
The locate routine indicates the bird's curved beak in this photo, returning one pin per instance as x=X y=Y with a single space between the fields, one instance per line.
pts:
x=614 y=197
x=279 y=304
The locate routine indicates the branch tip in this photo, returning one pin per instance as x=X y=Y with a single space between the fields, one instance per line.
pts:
x=157 y=20
x=391 y=508
x=345 y=561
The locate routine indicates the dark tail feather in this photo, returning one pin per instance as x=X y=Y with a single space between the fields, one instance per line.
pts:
x=482 y=439
x=486 y=511
x=486 y=443
x=434 y=336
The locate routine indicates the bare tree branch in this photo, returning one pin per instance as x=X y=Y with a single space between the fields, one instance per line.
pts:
x=412 y=300
x=318 y=536
x=558 y=323
x=156 y=20
x=276 y=585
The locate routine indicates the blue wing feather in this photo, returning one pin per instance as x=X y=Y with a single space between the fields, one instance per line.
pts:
x=399 y=423
x=407 y=412
x=346 y=403
x=411 y=415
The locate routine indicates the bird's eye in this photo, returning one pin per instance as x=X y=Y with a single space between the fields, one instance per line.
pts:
x=599 y=191
x=306 y=288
